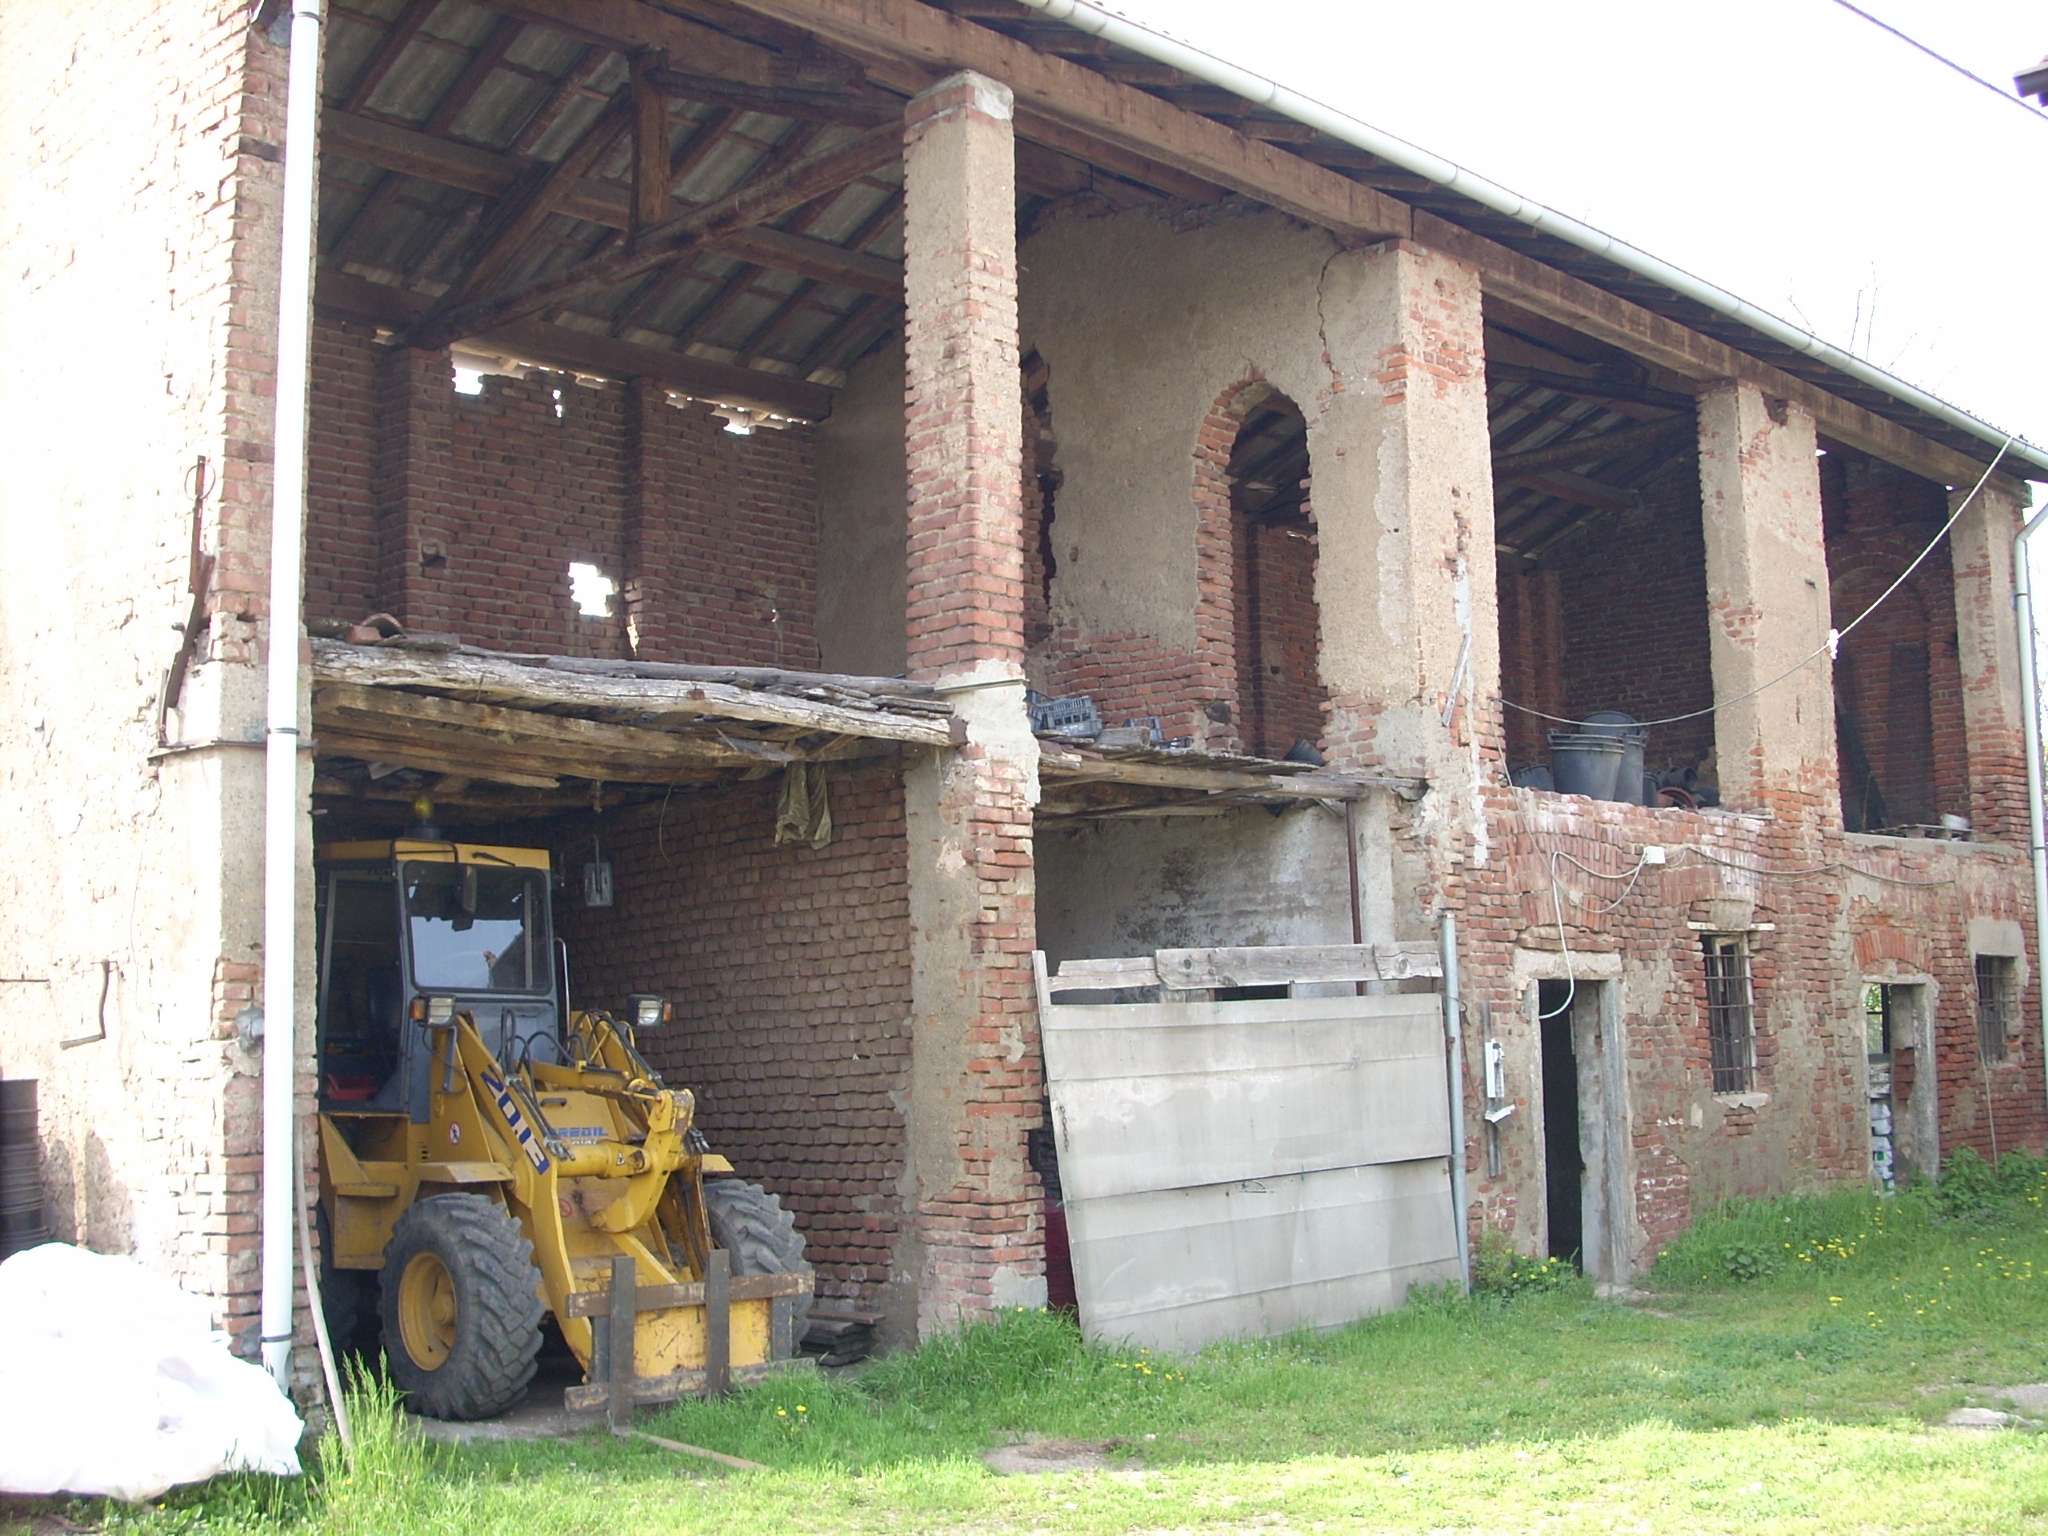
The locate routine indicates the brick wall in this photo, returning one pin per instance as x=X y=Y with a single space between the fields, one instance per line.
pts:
x=1275 y=636
x=711 y=536
x=790 y=971
x=1897 y=678
x=1852 y=909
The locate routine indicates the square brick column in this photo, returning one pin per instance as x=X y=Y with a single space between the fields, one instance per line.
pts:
x=1402 y=463
x=1767 y=603
x=977 y=1239
x=416 y=530
x=1987 y=647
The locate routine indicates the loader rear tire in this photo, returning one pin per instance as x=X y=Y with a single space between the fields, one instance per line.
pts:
x=461 y=1308
x=751 y=1225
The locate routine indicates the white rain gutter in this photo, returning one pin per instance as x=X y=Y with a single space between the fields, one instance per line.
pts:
x=1093 y=19
x=281 y=666
x=2030 y=715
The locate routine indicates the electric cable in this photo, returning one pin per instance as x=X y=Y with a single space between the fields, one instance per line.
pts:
x=1940 y=58
x=1826 y=648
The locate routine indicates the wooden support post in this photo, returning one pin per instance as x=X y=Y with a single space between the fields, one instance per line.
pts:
x=718 y=1324
x=618 y=1336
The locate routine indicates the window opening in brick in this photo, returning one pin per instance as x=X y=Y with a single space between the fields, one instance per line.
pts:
x=591 y=590
x=1601 y=565
x=1995 y=1004
x=1042 y=481
x=468 y=381
x=1901 y=755
x=1273 y=572
x=1731 y=1013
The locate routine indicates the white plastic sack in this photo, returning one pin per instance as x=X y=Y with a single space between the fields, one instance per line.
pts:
x=113 y=1381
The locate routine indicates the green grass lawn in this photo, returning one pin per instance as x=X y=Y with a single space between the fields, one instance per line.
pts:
x=1788 y=1372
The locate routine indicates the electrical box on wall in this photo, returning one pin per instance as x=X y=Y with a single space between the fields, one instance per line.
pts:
x=1496 y=1071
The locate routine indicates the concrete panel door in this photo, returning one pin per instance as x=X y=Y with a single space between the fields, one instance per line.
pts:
x=1583 y=1127
x=1242 y=1169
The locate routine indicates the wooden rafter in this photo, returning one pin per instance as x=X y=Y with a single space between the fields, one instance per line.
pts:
x=1584 y=450
x=751 y=344
x=629 y=25
x=651 y=179
x=487 y=173
x=564 y=346
x=529 y=207
x=394 y=42
x=755 y=203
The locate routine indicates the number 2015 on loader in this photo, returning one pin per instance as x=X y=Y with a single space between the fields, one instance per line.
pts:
x=487 y=1153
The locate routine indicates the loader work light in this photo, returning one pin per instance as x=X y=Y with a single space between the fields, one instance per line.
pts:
x=433 y=1010
x=649 y=1011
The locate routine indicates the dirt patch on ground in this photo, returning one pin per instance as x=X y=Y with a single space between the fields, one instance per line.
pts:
x=1032 y=1457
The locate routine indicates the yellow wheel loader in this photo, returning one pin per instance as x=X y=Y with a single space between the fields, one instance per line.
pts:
x=487 y=1152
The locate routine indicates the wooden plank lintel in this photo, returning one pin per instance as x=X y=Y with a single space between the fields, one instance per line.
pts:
x=494 y=680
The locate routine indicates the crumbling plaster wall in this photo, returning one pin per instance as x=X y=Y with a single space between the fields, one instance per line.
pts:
x=1131 y=886
x=140 y=178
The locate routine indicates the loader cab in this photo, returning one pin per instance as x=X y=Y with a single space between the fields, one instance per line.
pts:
x=438 y=923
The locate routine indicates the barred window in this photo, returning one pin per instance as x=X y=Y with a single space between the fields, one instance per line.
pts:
x=1994 y=1004
x=1731 y=1013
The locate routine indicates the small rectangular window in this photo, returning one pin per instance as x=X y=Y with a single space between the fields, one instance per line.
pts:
x=1731 y=1021
x=1994 y=1004
x=1877 y=1021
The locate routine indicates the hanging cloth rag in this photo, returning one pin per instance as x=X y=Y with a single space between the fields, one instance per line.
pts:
x=804 y=814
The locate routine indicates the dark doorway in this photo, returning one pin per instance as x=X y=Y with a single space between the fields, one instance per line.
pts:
x=1564 y=1167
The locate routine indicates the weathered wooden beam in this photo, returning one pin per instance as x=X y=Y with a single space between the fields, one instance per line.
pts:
x=394 y=42
x=496 y=680
x=1577 y=489
x=626 y=26
x=543 y=195
x=755 y=203
x=595 y=743
x=839 y=105
x=1101 y=108
x=563 y=346
x=650 y=178
x=450 y=163
x=1599 y=445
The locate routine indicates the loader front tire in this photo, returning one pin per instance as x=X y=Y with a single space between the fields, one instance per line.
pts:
x=461 y=1308
x=751 y=1225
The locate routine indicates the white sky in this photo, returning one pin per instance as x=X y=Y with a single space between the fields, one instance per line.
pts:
x=1787 y=150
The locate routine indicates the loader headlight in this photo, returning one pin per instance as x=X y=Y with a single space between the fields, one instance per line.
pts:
x=433 y=1010
x=649 y=1011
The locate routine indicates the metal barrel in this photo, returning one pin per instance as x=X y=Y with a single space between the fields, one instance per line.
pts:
x=24 y=1213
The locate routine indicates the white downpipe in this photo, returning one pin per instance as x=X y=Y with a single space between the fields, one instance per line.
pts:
x=281 y=666
x=1085 y=16
x=2030 y=719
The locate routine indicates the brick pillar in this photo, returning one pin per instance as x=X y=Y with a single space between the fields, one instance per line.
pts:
x=416 y=523
x=977 y=1241
x=1402 y=465
x=1767 y=602
x=1987 y=649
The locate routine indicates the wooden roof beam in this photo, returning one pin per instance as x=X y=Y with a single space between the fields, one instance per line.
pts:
x=562 y=346
x=754 y=203
x=933 y=42
x=1583 y=450
x=389 y=47
x=544 y=193
x=627 y=26
x=448 y=163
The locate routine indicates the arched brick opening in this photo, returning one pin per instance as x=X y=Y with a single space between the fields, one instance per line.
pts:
x=1256 y=621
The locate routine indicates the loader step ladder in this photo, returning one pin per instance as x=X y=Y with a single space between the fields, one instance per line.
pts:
x=620 y=1391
